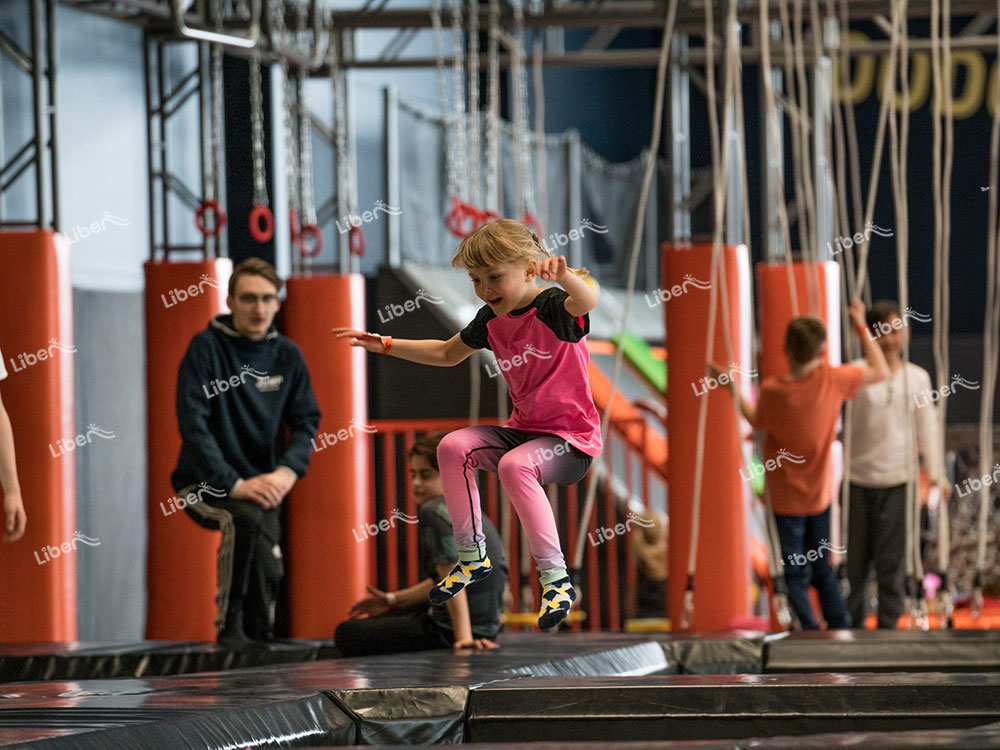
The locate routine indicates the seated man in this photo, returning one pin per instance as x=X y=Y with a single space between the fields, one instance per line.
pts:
x=402 y=620
x=13 y=507
x=240 y=382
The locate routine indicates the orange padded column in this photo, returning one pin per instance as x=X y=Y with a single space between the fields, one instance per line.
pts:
x=38 y=572
x=327 y=567
x=181 y=576
x=820 y=298
x=722 y=568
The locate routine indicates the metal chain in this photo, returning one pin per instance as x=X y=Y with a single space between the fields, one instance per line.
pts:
x=443 y=104
x=458 y=101
x=345 y=165
x=525 y=185
x=305 y=150
x=215 y=106
x=473 y=114
x=257 y=131
x=493 y=118
x=291 y=155
x=305 y=136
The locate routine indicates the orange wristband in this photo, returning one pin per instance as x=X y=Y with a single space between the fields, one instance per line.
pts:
x=860 y=330
x=386 y=344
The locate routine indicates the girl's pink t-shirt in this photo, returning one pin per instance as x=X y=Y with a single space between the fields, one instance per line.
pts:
x=541 y=353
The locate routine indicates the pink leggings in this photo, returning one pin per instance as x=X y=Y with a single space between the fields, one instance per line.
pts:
x=524 y=462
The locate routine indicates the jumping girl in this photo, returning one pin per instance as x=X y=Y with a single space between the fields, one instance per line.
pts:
x=554 y=433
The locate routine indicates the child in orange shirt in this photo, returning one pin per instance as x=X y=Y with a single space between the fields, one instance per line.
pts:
x=798 y=413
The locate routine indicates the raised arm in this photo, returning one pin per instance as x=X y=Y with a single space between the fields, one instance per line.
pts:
x=877 y=369
x=423 y=351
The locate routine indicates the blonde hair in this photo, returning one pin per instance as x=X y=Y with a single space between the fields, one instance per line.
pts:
x=502 y=241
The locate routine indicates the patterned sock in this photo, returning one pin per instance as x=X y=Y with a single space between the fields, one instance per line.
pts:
x=557 y=598
x=460 y=576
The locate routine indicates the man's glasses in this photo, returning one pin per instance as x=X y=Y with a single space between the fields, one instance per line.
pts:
x=253 y=299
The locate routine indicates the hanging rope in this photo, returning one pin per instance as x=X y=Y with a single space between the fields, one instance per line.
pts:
x=211 y=202
x=776 y=148
x=991 y=347
x=942 y=174
x=261 y=218
x=493 y=180
x=640 y=216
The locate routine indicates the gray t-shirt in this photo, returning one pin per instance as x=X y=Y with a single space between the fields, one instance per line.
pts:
x=436 y=546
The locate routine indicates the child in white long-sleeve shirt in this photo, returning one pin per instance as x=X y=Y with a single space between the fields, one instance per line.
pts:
x=883 y=463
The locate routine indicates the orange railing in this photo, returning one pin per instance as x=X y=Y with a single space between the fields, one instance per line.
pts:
x=609 y=563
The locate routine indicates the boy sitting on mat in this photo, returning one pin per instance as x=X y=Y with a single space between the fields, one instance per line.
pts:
x=402 y=620
x=883 y=462
x=798 y=414
x=13 y=507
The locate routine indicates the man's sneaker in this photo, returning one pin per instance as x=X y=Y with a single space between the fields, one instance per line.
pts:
x=557 y=598
x=460 y=576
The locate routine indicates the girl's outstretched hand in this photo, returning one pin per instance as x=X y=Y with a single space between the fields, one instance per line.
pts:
x=552 y=269
x=370 y=341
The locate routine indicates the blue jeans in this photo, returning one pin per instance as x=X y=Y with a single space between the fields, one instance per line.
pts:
x=800 y=536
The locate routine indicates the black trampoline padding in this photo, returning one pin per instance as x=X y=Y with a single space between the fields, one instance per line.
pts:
x=687 y=707
x=986 y=737
x=883 y=650
x=415 y=697
x=737 y=652
x=91 y=661
x=308 y=720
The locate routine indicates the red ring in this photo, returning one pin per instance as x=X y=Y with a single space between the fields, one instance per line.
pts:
x=220 y=218
x=532 y=223
x=312 y=231
x=261 y=211
x=356 y=240
x=293 y=224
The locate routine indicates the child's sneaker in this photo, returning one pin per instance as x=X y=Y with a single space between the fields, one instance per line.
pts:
x=460 y=576
x=557 y=598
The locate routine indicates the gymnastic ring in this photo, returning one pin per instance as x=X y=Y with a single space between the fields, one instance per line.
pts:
x=260 y=215
x=356 y=240
x=532 y=223
x=484 y=217
x=457 y=218
x=293 y=225
x=310 y=230
x=220 y=218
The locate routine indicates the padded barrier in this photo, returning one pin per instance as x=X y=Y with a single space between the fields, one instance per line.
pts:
x=722 y=577
x=876 y=651
x=406 y=716
x=181 y=299
x=327 y=568
x=38 y=588
x=92 y=661
x=640 y=355
x=716 y=653
x=687 y=707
